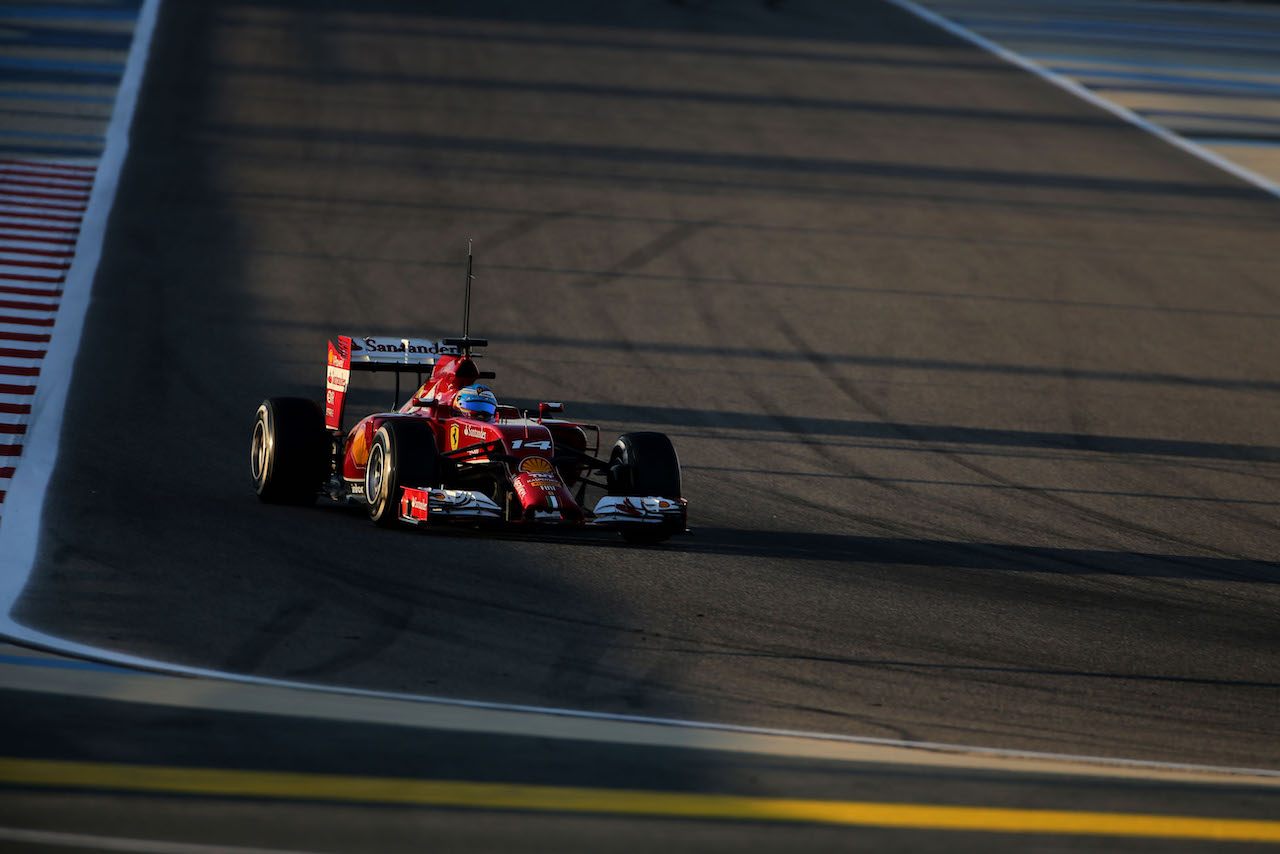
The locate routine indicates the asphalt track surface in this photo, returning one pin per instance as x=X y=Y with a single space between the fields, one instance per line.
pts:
x=973 y=385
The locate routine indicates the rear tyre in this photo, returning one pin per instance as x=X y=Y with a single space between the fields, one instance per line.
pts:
x=289 y=457
x=645 y=464
x=403 y=454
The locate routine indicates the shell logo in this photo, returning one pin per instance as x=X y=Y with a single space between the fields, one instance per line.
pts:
x=359 y=446
x=536 y=465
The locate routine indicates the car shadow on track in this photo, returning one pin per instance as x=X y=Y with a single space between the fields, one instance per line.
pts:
x=981 y=556
x=854 y=549
x=498 y=531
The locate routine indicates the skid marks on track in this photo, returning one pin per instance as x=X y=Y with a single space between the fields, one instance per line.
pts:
x=1062 y=506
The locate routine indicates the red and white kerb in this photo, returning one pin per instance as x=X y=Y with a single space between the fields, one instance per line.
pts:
x=41 y=206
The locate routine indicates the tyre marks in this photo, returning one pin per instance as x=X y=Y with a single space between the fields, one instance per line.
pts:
x=42 y=203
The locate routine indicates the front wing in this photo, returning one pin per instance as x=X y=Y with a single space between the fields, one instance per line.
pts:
x=423 y=505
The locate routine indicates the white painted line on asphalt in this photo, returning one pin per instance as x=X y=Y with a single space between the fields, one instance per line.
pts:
x=20 y=176
x=1081 y=92
x=228 y=692
x=28 y=266
x=31 y=308
x=93 y=842
x=44 y=202
x=1180 y=8
x=14 y=241
x=11 y=206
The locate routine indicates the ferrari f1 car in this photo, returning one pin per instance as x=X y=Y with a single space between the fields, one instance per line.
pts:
x=451 y=455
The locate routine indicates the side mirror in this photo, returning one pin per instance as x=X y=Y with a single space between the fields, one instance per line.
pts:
x=546 y=408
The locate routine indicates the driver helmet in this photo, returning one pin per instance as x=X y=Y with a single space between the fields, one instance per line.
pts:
x=476 y=401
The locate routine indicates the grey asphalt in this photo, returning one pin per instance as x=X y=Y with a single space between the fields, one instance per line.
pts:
x=50 y=728
x=974 y=385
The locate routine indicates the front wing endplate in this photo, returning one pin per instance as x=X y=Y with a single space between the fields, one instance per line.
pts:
x=616 y=511
x=434 y=505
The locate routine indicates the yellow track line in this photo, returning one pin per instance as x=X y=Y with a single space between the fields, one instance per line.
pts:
x=515 y=796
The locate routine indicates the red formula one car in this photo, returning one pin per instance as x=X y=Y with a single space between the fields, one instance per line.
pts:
x=452 y=454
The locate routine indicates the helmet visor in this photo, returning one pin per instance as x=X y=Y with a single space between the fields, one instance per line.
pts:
x=478 y=408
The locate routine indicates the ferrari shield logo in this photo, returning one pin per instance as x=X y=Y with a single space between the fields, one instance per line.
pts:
x=453 y=437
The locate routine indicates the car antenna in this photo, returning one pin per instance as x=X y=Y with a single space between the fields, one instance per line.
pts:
x=466 y=343
x=466 y=305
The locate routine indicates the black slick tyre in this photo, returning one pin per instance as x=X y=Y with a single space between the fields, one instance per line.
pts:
x=403 y=453
x=643 y=464
x=289 y=451
x=289 y=456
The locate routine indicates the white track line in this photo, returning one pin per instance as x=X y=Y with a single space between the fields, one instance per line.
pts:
x=94 y=842
x=230 y=692
x=1081 y=92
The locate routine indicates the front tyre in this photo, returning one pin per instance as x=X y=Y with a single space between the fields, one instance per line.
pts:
x=645 y=464
x=403 y=454
x=289 y=456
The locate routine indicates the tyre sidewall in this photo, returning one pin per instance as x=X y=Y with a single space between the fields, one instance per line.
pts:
x=403 y=453
x=380 y=493
x=261 y=456
x=290 y=451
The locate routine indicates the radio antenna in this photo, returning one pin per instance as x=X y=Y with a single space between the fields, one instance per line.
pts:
x=466 y=306
x=466 y=343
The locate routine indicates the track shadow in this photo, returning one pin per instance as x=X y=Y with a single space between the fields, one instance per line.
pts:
x=774 y=21
x=945 y=434
x=903 y=363
x=700 y=98
x=382 y=398
x=852 y=550
x=569 y=158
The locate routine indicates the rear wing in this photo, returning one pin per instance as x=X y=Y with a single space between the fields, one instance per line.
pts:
x=371 y=353
x=395 y=354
